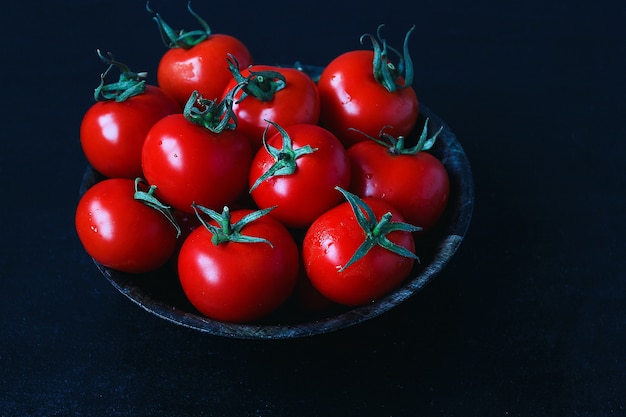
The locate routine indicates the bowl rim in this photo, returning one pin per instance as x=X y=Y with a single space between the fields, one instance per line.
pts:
x=460 y=204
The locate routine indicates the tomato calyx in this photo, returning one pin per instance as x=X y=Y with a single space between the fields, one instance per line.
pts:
x=129 y=84
x=147 y=197
x=385 y=72
x=181 y=39
x=213 y=115
x=376 y=231
x=262 y=85
x=397 y=145
x=226 y=231
x=285 y=158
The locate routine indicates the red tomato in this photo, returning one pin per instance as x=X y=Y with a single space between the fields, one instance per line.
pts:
x=352 y=97
x=189 y=163
x=291 y=100
x=413 y=181
x=197 y=61
x=307 y=162
x=239 y=281
x=121 y=232
x=112 y=132
x=333 y=239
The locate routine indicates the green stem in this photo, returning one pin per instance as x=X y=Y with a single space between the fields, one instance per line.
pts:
x=376 y=231
x=149 y=199
x=129 y=84
x=211 y=114
x=226 y=231
x=181 y=39
x=262 y=85
x=284 y=158
x=397 y=145
x=385 y=71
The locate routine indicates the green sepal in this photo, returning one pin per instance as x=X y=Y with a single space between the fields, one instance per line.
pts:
x=129 y=84
x=226 y=231
x=262 y=85
x=181 y=39
x=212 y=114
x=385 y=71
x=284 y=158
x=397 y=145
x=148 y=198
x=376 y=231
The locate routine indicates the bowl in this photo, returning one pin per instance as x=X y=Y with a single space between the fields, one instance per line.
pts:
x=160 y=293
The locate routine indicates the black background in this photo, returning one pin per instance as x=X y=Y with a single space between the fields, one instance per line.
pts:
x=529 y=319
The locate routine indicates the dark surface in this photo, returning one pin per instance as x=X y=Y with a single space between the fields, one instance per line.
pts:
x=528 y=319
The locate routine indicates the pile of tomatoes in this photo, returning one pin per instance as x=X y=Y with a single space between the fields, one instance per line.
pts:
x=260 y=184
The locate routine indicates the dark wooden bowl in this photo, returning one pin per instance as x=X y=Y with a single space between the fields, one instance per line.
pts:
x=160 y=292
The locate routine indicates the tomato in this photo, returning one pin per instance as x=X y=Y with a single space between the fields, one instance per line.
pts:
x=190 y=163
x=411 y=179
x=112 y=131
x=297 y=171
x=358 y=251
x=197 y=61
x=286 y=96
x=120 y=231
x=239 y=269
x=361 y=90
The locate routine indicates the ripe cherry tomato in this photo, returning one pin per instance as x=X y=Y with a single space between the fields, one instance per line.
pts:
x=362 y=90
x=113 y=129
x=297 y=171
x=239 y=270
x=190 y=163
x=121 y=232
x=331 y=242
x=197 y=61
x=286 y=96
x=411 y=179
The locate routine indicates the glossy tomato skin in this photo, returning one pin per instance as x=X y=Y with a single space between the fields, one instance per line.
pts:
x=188 y=163
x=331 y=241
x=120 y=232
x=112 y=133
x=303 y=196
x=202 y=67
x=239 y=282
x=351 y=97
x=417 y=185
x=298 y=102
